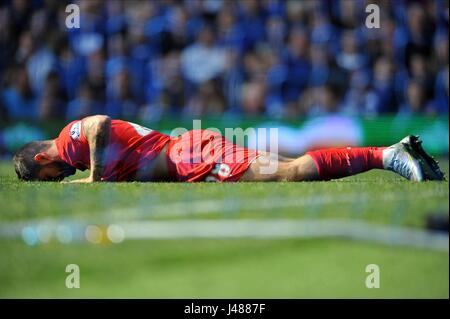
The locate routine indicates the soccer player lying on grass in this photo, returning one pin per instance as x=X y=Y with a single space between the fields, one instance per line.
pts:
x=116 y=150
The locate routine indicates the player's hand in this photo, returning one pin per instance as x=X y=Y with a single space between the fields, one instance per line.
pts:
x=81 y=180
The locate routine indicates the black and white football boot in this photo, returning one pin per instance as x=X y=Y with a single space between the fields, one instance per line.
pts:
x=410 y=160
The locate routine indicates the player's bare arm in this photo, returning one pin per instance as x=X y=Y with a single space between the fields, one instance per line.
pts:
x=96 y=129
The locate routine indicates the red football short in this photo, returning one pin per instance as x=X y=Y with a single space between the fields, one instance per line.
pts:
x=202 y=155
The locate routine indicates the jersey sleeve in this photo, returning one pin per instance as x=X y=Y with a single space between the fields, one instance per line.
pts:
x=72 y=145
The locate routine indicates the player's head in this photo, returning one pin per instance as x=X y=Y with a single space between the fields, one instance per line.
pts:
x=33 y=162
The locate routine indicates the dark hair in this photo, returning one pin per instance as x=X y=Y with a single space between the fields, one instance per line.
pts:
x=26 y=167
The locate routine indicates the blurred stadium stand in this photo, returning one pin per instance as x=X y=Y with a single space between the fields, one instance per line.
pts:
x=285 y=60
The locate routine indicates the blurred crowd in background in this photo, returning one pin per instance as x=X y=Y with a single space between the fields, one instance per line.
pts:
x=193 y=58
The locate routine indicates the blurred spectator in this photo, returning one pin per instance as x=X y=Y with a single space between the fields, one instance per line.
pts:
x=296 y=60
x=383 y=84
x=84 y=104
x=42 y=61
x=415 y=100
x=172 y=97
x=54 y=99
x=350 y=58
x=253 y=97
x=203 y=60
x=121 y=102
x=419 y=30
x=18 y=99
x=417 y=70
x=361 y=99
x=324 y=100
x=440 y=102
x=207 y=101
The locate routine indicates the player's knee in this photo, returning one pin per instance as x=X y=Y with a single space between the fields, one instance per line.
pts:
x=288 y=172
x=300 y=170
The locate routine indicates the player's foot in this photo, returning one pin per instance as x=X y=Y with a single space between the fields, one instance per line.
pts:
x=410 y=160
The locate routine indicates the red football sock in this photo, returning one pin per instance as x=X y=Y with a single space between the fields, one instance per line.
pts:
x=340 y=162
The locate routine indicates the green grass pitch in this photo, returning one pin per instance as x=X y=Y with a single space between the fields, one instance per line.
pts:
x=216 y=268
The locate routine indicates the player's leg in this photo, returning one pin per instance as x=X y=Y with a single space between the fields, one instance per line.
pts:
x=406 y=158
x=282 y=169
x=322 y=164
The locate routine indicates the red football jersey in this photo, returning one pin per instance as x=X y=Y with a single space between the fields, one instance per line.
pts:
x=130 y=147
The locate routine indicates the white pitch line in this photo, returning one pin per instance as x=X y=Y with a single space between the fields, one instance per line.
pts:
x=259 y=229
x=286 y=228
